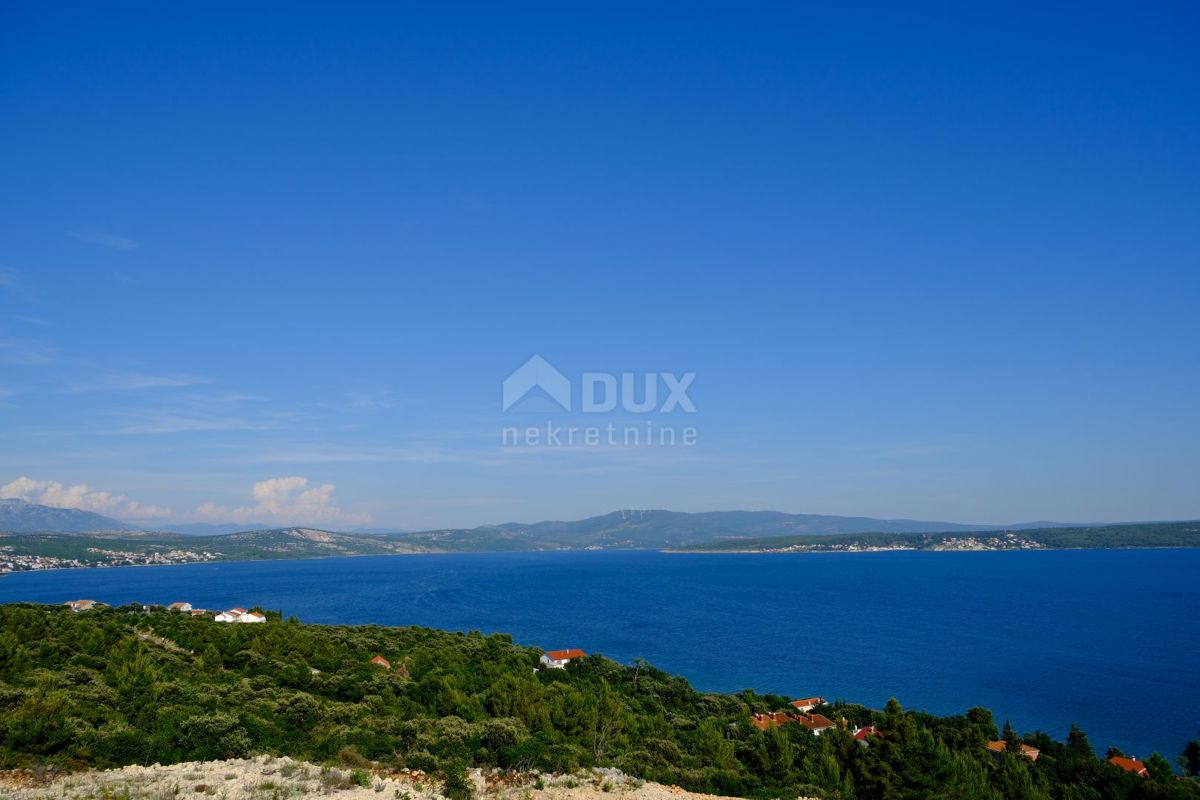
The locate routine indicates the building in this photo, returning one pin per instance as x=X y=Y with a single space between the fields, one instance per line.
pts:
x=380 y=661
x=807 y=704
x=771 y=719
x=999 y=746
x=196 y=612
x=239 y=615
x=180 y=607
x=1130 y=765
x=862 y=734
x=82 y=605
x=816 y=723
x=558 y=659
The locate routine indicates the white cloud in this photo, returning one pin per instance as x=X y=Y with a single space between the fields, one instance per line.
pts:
x=128 y=381
x=53 y=493
x=285 y=501
x=106 y=240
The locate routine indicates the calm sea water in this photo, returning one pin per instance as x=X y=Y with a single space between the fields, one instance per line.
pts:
x=1107 y=639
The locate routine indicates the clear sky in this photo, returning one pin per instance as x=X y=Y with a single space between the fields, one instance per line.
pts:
x=273 y=263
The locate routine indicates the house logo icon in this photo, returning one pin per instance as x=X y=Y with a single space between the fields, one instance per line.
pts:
x=537 y=386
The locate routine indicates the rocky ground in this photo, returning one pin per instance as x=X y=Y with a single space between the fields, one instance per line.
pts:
x=268 y=778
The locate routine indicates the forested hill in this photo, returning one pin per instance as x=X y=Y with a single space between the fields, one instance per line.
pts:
x=117 y=686
x=1150 y=534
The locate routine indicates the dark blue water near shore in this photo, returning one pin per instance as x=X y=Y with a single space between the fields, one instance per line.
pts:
x=1107 y=639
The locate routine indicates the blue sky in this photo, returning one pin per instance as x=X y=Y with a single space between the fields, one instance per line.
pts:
x=274 y=263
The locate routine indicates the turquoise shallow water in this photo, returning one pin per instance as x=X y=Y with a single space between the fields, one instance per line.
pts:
x=1107 y=639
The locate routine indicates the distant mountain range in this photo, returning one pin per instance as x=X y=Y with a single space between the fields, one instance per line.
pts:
x=659 y=529
x=652 y=529
x=20 y=516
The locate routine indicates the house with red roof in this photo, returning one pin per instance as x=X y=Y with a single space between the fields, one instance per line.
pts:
x=862 y=734
x=817 y=723
x=380 y=661
x=771 y=719
x=558 y=659
x=1130 y=765
x=807 y=704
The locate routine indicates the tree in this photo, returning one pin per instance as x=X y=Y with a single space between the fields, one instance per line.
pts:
x=1078 y=744
x=1012 y=742
x=1159 y=768
x=1190 y=760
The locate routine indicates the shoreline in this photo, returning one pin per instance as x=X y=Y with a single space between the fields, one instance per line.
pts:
x=664 y=551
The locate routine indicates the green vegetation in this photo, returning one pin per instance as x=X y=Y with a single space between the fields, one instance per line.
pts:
x=1154 y=534
x=127 y=685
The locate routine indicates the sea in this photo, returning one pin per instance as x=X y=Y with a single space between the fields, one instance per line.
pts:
x=1106 y=639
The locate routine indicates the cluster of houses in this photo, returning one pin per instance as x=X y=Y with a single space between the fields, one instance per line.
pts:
x=232 y=615
x=804 y=716
x=1032 y=753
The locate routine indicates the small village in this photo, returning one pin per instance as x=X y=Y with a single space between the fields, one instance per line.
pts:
x=11 y=561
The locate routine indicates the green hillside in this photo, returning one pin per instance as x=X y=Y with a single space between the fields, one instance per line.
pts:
x=120 y=686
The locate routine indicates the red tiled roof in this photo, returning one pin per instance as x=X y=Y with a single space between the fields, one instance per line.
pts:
x=770 y=719
x=862 y=733
x=381 y=661
x=808 y=701
x=1130 y=765
x=815 y=722
x=563 y=655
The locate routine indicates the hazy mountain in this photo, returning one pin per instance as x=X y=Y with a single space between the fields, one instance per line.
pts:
x=653 y=529
x=212 y=528
x=20 y=516
x=619 y=529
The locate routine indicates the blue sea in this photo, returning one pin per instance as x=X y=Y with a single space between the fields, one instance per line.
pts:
x=1108 y=639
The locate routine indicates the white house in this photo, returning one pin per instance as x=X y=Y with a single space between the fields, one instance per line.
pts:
x=558 y=659
x=180 y=607
x=239 y=615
